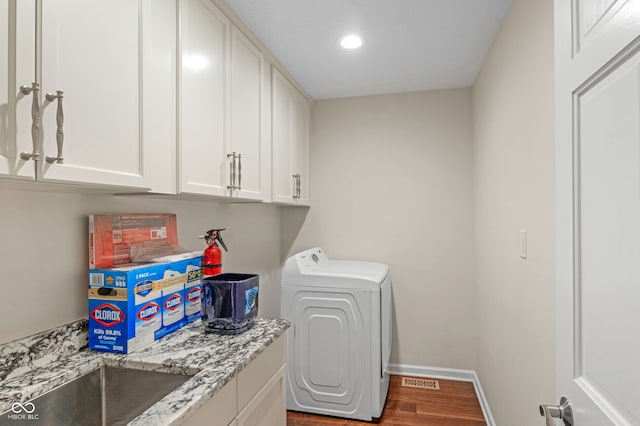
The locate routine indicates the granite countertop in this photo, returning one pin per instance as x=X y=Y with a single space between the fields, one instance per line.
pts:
x=29 y=369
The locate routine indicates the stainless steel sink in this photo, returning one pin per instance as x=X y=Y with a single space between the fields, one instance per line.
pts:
x=105 y=396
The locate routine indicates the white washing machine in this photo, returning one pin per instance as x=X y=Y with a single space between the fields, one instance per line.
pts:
x=340 y=336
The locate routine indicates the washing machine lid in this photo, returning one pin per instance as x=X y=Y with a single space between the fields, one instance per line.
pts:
x=313 y=268
x=352 y=269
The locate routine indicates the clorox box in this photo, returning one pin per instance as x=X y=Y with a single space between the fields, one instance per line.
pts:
x=134 y=305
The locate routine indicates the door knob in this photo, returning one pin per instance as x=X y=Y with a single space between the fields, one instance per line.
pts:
x=562 y=411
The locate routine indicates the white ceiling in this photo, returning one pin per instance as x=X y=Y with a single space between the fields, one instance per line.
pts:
x=409 y=45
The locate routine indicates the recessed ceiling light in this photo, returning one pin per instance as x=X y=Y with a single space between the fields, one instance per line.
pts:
x=351 y=41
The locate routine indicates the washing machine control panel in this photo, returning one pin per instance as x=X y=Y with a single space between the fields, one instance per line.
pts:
x=310 y=259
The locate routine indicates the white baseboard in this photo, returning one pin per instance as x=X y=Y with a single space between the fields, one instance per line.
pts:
x=447 y=374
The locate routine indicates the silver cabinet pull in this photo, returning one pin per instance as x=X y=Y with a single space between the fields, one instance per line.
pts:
x=232 y=172
x=59 y=127
x=239 y=172
x=235 y=172
x=296 y=186
x=562 y=411
x=35 y=121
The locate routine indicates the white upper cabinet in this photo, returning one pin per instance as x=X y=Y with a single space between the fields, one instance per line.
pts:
x=281 y=136
x=203 y=99
x=17 y=53
x=290 y=139
x=101 y=74
x=103 y=71
x=249 y=118
x=223 y=143
x=163 y=95
x=300 y=143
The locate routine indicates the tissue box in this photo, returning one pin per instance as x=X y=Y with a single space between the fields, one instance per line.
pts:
x=132 y=306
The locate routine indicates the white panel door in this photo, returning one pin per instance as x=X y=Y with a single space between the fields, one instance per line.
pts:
x=203 y=163
x=598 y=210
x=248 y=136
x=92 y=53
x=17 y=68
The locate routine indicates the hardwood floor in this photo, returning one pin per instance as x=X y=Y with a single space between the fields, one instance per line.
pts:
x=455 y=404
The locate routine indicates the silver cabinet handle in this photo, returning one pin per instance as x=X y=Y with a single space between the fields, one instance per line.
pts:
x=562 y=411
x=235 y=172
x=59 y=127
x=296 y=186
x=239 y=172
x=35 y=121
x=232 y=172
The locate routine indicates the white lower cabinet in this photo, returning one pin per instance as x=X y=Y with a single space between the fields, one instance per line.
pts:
x=266 y=408
x=256 y=397
x=220 y=410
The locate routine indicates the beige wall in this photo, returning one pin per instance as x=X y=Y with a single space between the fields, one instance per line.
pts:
x=391 y=182
x=44 y=258
x=513 y=132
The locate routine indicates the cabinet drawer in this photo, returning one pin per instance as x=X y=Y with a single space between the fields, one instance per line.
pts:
x=219 y=410
x=260 y=370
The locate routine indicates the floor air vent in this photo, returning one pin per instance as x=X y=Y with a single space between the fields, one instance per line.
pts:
x=412 y=382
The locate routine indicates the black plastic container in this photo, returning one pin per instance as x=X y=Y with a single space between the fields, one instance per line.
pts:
x=229 y=302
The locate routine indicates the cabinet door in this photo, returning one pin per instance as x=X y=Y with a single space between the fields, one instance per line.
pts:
x=261 y=370
x=267 y=408
x=290 y=139
x=247 y=117
x=219 y=410
x=300 y=144
x=203 y=163
x=281 y=119
x=17 y=68
x=92 y=52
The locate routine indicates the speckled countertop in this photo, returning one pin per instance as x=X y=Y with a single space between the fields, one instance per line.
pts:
x=31 y=367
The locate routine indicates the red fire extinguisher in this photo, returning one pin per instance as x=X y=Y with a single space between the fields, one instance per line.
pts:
x=212 y=264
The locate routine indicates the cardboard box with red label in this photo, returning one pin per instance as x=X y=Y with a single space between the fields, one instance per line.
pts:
x=111 y=237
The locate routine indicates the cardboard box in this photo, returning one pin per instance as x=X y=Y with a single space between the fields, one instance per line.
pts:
x=134 y=305
x=112 y=236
